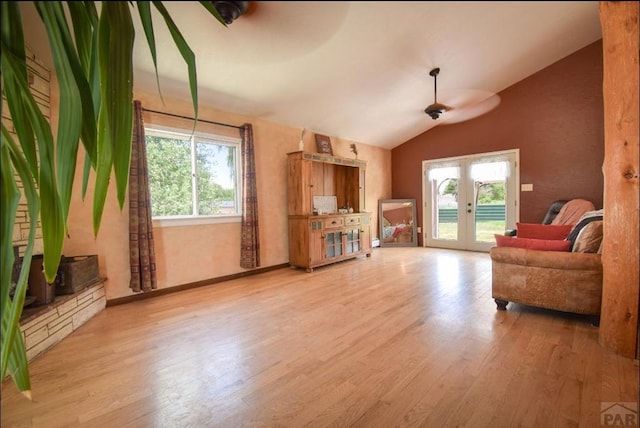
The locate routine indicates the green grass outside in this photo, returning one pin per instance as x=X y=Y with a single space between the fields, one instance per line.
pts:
x=484 y=230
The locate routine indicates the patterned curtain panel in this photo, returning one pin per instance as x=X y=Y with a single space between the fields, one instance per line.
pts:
x=250 y=241
x=141 y=251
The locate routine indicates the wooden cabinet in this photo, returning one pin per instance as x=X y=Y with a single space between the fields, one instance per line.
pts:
x=317 y=240
x=324 y=239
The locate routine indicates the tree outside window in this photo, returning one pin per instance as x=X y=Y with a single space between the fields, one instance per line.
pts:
x=192 y=175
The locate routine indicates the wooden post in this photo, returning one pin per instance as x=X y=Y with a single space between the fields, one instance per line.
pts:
x=620 y=255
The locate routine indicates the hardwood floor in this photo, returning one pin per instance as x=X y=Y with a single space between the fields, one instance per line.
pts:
x=408 y=337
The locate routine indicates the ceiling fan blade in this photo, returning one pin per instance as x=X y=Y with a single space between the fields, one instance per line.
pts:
x=439 y=106
x=472 y=111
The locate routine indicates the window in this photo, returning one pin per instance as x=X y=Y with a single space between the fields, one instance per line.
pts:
x=192 y=175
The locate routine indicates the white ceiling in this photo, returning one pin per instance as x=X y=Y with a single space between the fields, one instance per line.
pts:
x=360 y=70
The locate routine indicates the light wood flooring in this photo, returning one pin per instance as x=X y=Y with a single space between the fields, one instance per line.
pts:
x=408 y=337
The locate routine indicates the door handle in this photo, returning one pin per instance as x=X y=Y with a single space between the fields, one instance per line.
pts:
x=469 y=210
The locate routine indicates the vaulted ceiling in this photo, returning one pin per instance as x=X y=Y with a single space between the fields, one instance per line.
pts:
x=360 y=70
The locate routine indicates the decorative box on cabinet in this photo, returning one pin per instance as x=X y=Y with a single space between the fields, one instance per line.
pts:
x=318 y=240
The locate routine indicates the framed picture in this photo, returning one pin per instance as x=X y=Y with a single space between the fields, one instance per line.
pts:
x=324 y=144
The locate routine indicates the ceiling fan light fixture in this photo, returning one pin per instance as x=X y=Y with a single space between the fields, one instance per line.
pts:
x=230 y=10
x=435 y=110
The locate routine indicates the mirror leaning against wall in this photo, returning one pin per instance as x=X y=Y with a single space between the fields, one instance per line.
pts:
x=397 y=220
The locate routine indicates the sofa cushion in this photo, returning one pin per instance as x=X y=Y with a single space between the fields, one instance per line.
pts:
x=589 y=238
x=571 y=212
x=584 y=220
x=533 y=244
x=543 y=231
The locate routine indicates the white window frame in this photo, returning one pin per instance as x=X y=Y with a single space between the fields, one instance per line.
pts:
x=194 y=219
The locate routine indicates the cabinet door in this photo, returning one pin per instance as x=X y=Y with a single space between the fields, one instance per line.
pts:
x=365 y=229
x=301 y=187
x=333 y=244
x=352 y=242
x=316 y=242
x=317 y=179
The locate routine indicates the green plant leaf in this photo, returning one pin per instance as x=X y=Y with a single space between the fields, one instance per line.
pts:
x=85 y=16
x=103 y=171
x=13 y=48
x=144 y=10
x=70 y=101
x=10 y=197
x=115 y=119
x=213 y=11
x=83 y=33
x=83 y=30
x=14 y=357
x=86 y=171
x=119 y=91
x=187 y=54
x=104 y=155
x=53 y=226
x=85 y=23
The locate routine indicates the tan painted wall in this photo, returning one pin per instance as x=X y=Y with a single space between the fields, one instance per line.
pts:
x=188 y=254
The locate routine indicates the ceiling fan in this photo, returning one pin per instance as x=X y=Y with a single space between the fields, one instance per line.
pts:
x=231 y=10
x=436 y=109
x=469 y=104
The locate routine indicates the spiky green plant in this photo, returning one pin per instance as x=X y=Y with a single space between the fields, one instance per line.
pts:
x=93 y=60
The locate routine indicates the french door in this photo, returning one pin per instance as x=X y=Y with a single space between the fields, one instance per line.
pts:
x=468 y=199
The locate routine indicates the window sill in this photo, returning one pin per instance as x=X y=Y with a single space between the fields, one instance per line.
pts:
x=194 y=221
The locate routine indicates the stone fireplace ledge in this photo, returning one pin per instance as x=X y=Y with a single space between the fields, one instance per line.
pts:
x=45 y=326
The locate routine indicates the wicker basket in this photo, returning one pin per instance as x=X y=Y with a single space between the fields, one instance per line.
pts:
x=76 y=273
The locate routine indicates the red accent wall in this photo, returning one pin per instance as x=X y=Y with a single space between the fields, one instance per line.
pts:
x=555 y=117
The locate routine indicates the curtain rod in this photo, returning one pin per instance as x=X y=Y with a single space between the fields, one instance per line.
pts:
x=191 y=118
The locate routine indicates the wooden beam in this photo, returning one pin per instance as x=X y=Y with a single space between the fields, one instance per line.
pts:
x=620 y=256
